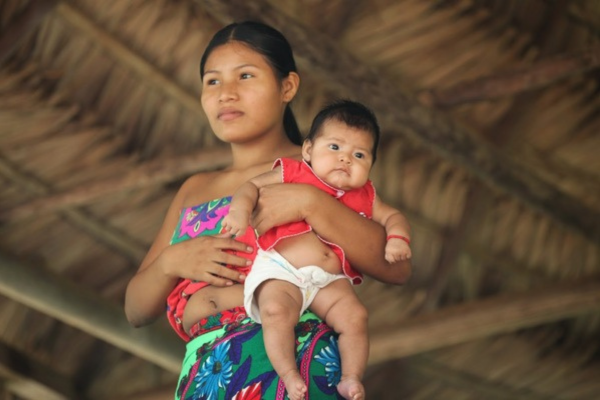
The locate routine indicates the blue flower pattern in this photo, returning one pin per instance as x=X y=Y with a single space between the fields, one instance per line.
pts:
x=215 y=373
x=329 y=356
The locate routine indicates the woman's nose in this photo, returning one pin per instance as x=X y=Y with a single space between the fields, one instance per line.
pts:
x=228 y=92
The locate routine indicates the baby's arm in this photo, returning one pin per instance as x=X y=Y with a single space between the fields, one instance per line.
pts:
x=244 y=200
x=397 y=248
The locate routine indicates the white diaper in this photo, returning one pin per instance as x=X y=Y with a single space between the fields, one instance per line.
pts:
x=271 y=265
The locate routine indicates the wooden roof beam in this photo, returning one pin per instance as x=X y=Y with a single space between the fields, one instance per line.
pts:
x=108 y=235
x=422 y=125
x=479 y=319
x=149 y=174
x=62 y=300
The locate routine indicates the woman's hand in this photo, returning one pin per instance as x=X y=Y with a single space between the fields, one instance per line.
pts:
x=205 y=258
x=282 y=203
x=201 y=259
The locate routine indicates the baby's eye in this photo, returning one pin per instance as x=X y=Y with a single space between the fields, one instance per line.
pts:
x=334 y=146
x=359 y=155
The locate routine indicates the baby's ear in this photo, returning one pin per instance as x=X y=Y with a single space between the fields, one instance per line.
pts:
x=306 y=150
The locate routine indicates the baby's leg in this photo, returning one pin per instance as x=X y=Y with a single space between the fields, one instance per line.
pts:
x=279 y=303
x=341 y=309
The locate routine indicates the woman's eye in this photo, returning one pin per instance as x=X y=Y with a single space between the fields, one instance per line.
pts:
x=246 y=76
x=210 y=82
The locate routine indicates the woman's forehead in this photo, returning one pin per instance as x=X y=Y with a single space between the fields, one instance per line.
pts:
x=232 y=55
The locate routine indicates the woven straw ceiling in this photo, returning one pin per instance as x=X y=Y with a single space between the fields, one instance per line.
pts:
x=490 y=119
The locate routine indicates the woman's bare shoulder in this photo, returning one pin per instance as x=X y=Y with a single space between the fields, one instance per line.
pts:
x=207 y=186
x=200 y=187
x=200 y=179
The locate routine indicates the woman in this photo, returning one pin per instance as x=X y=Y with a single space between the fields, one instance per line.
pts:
x=249 y=79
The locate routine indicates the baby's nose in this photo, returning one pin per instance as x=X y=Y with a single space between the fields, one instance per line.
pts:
x=344 y=158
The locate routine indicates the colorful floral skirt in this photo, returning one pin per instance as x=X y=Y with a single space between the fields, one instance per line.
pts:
x=231 y=363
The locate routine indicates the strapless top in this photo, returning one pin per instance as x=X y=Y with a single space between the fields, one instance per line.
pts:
x=201 y=220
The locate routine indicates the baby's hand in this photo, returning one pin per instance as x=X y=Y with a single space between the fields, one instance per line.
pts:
x=236 y=222
x=396 y=250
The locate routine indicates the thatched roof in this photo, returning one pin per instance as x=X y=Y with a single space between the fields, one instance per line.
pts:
x=491 y=146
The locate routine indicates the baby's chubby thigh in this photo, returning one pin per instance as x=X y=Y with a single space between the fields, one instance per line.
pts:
x=339 y=306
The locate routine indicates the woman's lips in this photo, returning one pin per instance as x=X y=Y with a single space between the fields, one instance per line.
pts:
x=229 y=114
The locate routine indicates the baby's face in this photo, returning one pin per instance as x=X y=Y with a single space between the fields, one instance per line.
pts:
x=340 y=155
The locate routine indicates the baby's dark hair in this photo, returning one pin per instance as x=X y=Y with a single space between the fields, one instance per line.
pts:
x=351 y=113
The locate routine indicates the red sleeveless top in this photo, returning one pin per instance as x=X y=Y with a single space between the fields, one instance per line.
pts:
x=360 y=200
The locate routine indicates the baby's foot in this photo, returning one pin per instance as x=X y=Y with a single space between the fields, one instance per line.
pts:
x=351 y=388
x=294 y=384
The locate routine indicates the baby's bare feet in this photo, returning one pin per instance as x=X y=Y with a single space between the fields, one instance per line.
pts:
x=351 y=388
x=294 y=384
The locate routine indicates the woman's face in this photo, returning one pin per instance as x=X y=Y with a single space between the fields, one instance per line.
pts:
x=241 y=96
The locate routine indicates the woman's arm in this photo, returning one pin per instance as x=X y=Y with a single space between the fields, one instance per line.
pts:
x=364 y=246
x=164 y=265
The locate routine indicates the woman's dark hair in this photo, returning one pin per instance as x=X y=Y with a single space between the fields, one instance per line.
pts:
x=351 y=113
x=273 y=46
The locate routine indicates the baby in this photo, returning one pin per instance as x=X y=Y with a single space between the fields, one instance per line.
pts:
x=295 y=269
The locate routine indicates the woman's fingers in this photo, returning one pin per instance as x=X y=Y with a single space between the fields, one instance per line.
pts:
x=205 y=259
x=229 y=273
x=226 y=241
x=229 y=252
x=221 y=275
x=215 y=279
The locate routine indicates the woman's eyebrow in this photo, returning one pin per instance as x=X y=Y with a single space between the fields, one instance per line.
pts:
x=241 y=66
x=246 y=65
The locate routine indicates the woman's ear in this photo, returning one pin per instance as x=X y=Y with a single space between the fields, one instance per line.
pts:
x=290 y=86
x=306 y=150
